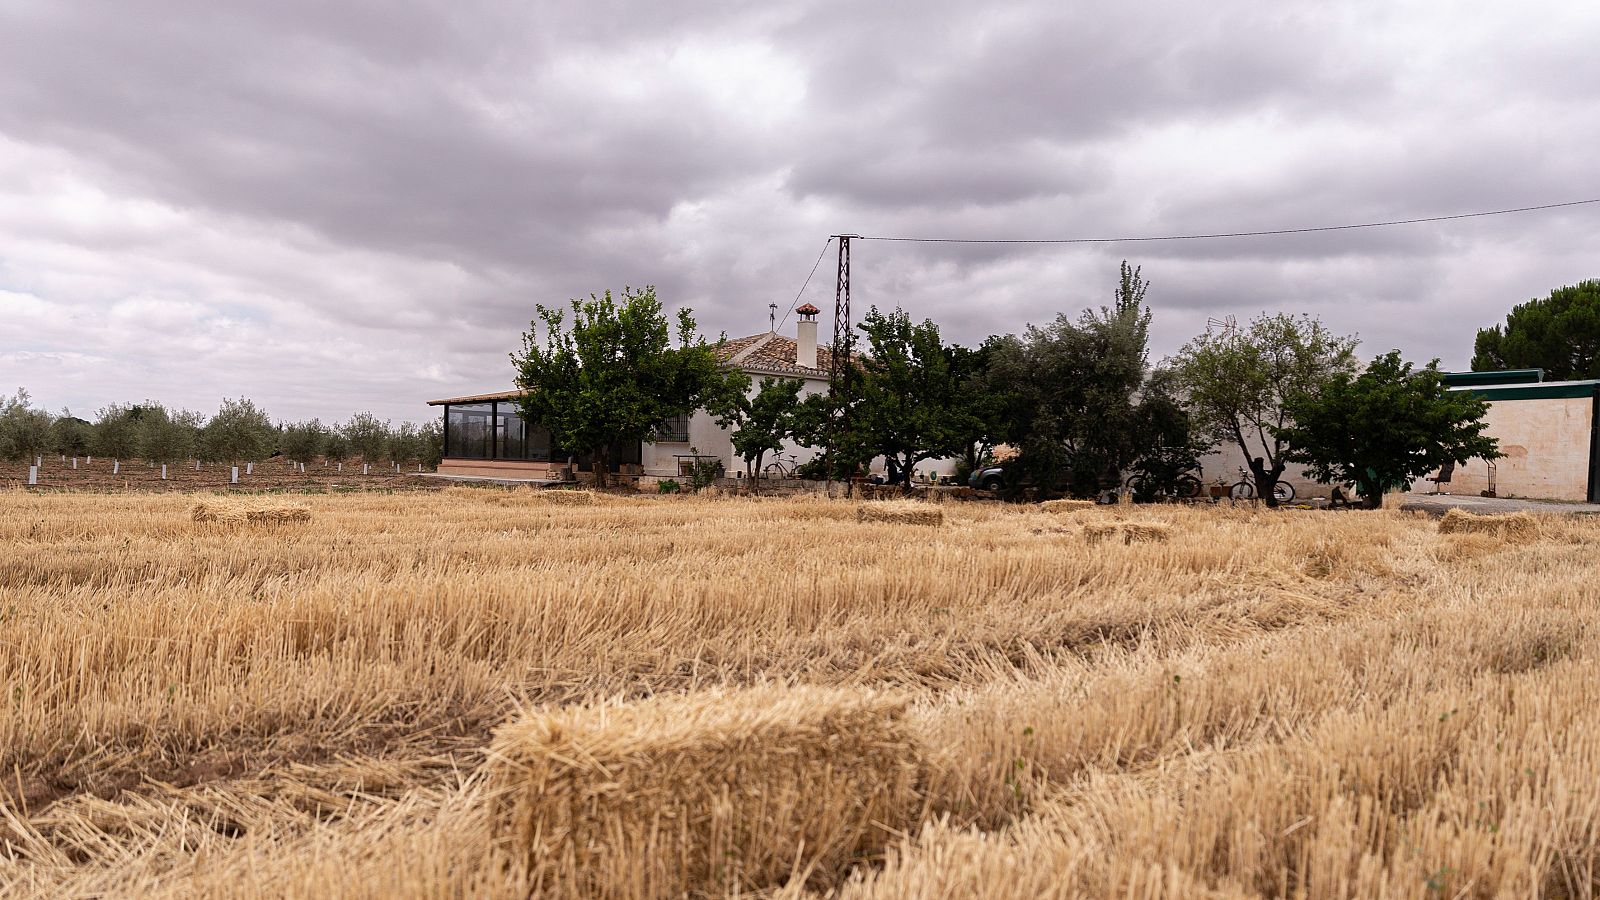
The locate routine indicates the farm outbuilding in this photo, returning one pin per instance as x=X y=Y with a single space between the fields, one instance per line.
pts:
x=1547 y=431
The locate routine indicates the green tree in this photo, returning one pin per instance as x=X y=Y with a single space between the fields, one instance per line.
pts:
x=335 y=446
x=612 y=375
x=430 y=443
x=70 y=435
x=762 y=421
x=24 y=431
x=239 y=431
x=1384 y=427
x=981 y=397
x=366 y=435
x=1168 y=445
x=1235 y=382
x=303 y=442
x=1071 y=394
x=910 y=404
x=403 y=444
x=116 y=431
x=166 y=437
x=1559 y=334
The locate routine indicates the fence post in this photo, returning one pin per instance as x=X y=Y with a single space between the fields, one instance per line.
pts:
x=341 y=468
x=233 y=475
x=38 y=461
x=249 y=468
x=163 y=471
x=197 y=465
x=33 y=475
x=116 y=466
x=74 y=462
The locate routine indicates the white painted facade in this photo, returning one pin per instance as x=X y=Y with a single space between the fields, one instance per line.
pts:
x=1547 y=447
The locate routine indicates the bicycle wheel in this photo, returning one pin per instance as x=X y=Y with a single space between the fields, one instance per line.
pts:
x=1283 y=491
x=1187 y=486
x=774 y=470
x=1242 y=490
x=1138 y=486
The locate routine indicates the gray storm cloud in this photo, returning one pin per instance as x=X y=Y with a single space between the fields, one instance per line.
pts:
x=332 y=207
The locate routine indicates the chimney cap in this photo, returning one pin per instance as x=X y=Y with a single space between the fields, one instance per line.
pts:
x=808 y=310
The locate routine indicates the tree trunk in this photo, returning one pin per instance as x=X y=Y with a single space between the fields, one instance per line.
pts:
x=1266 y=480
x=755 y=480
x=602 y=466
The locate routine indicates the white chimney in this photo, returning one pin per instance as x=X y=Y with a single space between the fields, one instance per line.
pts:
x=805 y=351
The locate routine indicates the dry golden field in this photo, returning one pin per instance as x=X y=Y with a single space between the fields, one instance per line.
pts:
x=501 y=693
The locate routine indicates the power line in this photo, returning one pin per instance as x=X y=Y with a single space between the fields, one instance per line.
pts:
x=795 y=302
x=1225 y=234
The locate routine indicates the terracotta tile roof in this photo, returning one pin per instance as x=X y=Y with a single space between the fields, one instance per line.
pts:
x=772 y=354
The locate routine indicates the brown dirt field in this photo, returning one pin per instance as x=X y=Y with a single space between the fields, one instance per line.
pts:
x=271 y=475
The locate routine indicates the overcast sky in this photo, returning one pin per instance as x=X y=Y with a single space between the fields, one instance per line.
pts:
x=337 y=206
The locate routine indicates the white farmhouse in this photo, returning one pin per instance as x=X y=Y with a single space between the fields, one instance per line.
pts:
x=485 y=437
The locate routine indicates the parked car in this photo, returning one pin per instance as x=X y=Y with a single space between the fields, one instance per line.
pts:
x=990 y=479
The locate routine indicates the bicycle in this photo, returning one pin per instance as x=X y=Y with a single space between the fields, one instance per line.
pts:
x=777 y=469
x=1245 y=489
x=1183 y=487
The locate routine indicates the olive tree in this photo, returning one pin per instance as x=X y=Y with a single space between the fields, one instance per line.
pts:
x=239 y=431
x=24 y=430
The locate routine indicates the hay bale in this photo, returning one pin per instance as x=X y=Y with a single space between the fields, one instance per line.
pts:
x=1067 y=506
x=1127 y=532
x=235 y=512
x=563 y=497
x=1518 y=526
x=905 y=513
x=703 y=795
x=1146 y=532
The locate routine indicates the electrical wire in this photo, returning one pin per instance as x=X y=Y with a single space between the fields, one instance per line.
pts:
x=1225 y=234
x=796 y=301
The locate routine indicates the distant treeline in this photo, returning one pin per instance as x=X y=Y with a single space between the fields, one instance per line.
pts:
x=240 y=431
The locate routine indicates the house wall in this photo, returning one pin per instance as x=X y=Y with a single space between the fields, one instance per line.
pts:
x=709 y=439
x=1546 y=446
x=1227 y=459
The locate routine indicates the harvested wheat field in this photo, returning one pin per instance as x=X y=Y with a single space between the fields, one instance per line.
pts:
x=486 y=693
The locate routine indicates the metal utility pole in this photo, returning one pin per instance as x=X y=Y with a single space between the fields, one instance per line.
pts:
x=840 y=359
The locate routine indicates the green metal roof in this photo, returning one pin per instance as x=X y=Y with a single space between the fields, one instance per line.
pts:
x=1544 y=390
x=1503 y=376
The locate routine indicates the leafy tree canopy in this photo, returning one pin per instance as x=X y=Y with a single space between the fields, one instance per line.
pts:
x=24 y=430
x=167 y=436
x=911 y=405
x=1559 y=333
x=1235 y=382
x=1384 y=427
x=762 y=421
x=366 y=436
x=1070 y=393
x=612 y=375
x=303 y=442
x=239 y=431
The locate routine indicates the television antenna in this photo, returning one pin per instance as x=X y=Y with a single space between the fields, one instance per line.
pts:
x=1227 y=324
